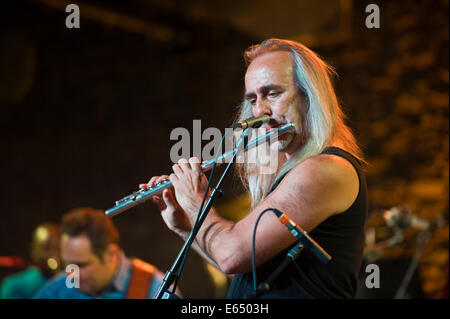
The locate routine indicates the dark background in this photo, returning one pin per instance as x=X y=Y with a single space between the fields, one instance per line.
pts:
x=86 y=114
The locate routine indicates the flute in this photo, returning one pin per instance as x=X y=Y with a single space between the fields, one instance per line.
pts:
x=145 y=194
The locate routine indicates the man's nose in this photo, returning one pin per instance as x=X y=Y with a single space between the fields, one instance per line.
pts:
x=261 y=108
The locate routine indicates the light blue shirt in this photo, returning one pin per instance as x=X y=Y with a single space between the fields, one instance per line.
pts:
x=56 y=287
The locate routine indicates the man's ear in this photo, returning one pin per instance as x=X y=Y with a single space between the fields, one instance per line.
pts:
x=111 y=252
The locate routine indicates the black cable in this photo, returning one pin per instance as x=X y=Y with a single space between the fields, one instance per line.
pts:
x=253 y=248
x=297 y=266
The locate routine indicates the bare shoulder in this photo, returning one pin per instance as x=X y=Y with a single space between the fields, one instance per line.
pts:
x=327 y=180
x=332 y=168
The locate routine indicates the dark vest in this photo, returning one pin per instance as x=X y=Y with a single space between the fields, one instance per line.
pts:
x=342 y=236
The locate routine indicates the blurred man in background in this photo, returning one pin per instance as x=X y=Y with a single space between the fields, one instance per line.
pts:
x=90 y=243
x=45 y=262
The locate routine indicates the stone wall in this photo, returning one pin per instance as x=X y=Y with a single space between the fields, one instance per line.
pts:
x=394 y=83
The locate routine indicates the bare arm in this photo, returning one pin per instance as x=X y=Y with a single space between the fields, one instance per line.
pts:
x=174 y=216
x=314 y=190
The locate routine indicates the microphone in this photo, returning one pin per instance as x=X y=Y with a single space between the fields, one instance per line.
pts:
x=303 y=236
x=402 y=217
x=253 y=122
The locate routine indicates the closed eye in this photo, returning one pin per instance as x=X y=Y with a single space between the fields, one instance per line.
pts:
x=273 y=94
x=251 y=100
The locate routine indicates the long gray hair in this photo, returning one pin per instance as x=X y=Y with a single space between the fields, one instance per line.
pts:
x=322 y=118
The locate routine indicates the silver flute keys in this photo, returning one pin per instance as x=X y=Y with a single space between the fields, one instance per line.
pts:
x=145 y=194
x=140 y=192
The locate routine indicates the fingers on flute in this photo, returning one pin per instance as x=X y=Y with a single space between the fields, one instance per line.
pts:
x=184 y=164
x=192 y=164
x=150 y=182
x=194 y=160
x=169 y=199
x=177 y=169
x=158 y=201
x=195 y=164
x=161 y=178
x=154 y=180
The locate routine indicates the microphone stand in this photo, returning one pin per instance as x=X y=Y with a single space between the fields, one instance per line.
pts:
x=170 y=275
x=265 y=286
x=422 y=240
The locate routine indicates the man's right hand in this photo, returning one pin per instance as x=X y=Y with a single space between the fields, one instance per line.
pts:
x=171 y=212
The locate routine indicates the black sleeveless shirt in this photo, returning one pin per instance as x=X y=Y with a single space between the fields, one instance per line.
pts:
x=341 y=235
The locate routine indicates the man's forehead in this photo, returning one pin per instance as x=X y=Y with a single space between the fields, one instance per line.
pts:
x=79 y=245
x=273 y=68
x=275 y=59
